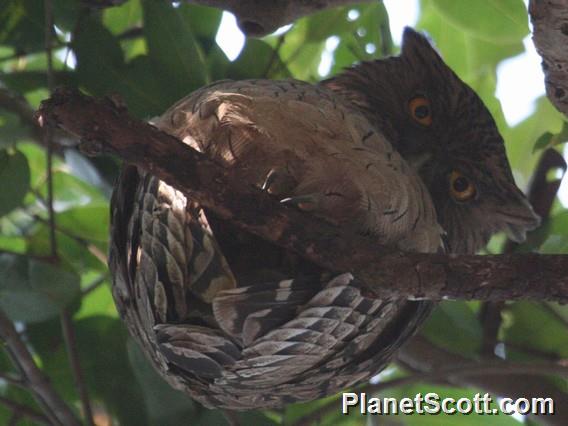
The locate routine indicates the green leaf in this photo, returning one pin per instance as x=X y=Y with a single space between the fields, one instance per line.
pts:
x=32 y=290
x=370 y=28
x=121 y=18
x=102 y=70
x=12 y=244
x=172 y=47
x=73 y=254
x=22 y=24
x=203 y=20
x=255 y=61
x=521 y=138
x=66 y=13
x=502 y=21
x=90 y=222
x=217 y=63
x=165 y=405
x=468 y=54
x=556 y=229
x=29 y=80
x=549 y=140
x=70 y=191
x=11 y=129
x=99 y=57
x=532 y=328
x=457 y=418
x=139 y=72
x=14 y=178
x=101 y=344
x=455 y=327
x=98 y=301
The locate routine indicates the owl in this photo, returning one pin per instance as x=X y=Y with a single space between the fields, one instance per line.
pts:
x=399 y=149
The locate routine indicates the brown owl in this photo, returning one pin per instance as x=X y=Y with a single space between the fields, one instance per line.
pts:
x=399 y=149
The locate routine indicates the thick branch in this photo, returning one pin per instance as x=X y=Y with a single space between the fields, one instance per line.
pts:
x=107 y=127
x=550 y=36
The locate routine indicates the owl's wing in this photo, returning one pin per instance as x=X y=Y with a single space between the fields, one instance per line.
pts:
x=304 y=144
x=261 y=345
x=278 y=341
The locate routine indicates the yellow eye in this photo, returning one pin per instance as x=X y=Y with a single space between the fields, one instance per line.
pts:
x=420 y=111
x=461 y=188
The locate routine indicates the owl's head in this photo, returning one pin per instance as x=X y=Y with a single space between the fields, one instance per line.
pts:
x=443 y=129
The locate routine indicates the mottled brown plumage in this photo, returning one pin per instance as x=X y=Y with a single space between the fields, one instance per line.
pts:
x=399 y=149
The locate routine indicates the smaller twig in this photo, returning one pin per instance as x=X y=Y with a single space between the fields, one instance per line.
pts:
x=231 y=417
x=12 y=379
x=54 y=407
x=73 y=355
x=96 y=283
x=436 y=376
x=275 y=54
x=48 y=130
x=18 y=105
x=535 y=352
x=21 y=410
x=30 y=256
x=14 y=419
x=490 y=318
x=93 y=249
x=554 y=313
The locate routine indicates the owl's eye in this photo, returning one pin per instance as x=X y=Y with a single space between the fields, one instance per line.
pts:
x=420 y=111
x=461 y=188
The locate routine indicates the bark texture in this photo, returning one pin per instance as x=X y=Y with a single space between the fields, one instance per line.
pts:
x=550 y=36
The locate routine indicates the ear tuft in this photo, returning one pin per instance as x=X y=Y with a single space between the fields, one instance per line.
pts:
x=415 y=44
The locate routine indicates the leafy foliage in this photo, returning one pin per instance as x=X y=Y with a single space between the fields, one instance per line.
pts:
x=152 y=53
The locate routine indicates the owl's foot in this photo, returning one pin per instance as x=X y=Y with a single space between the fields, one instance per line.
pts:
x=331 y=198
x=308 y=202
x=279 y=181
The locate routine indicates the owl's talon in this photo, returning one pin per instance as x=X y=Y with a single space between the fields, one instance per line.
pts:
x=304 y=202
x=270 y=178
x=278 y=181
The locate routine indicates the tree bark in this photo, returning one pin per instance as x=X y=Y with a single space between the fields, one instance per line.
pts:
x=550 y=36
x=105 y=126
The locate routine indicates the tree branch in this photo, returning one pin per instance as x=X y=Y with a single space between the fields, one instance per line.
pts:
x=422 y=356
x=55 y=408
x=21 y=410
x=454 y=372
x=550 y=37
x=105 y=126
x=74 y=362
x=18 y=105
